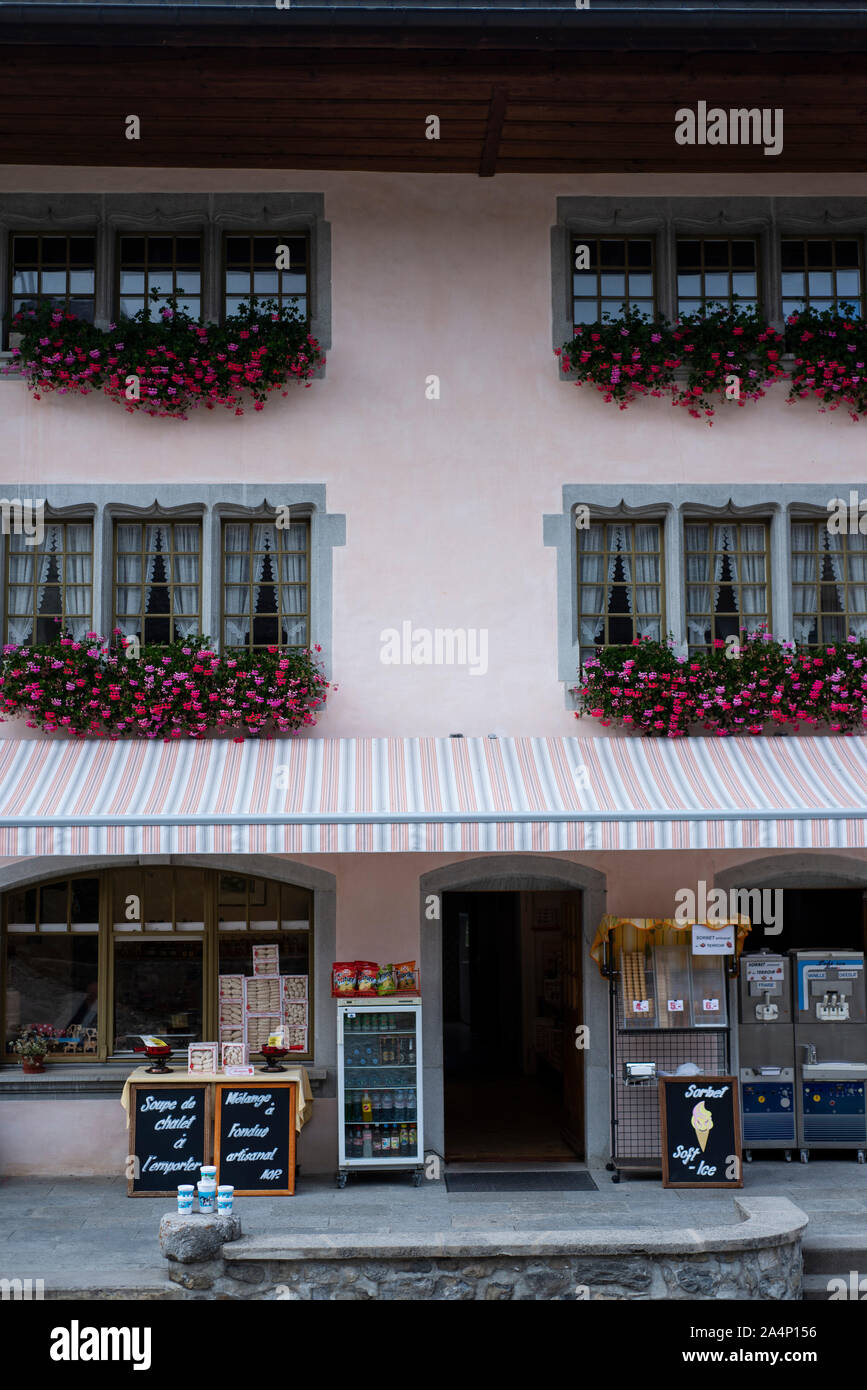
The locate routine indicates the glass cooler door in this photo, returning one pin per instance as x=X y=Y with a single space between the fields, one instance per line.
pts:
x=379 y=1063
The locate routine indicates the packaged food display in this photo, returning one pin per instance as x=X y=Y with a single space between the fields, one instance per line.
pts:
x=637 y=992
x=232 y=987
x=295 y=1038
x=233 y=1054
x=231 y=1035
x=406 y=975
x=259 y=1029
x=262 y=995
x=385 y=980
x=202 y=1056
x=266 y=959
x=294 y=1013
x=293 y=987
x=366 y=973
x=343 y=977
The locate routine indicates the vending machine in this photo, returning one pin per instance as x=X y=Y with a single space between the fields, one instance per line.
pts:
x=766 y=1046
x=830 y=1011
x=379 y=1086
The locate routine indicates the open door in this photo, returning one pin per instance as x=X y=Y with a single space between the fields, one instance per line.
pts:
x=573 y=1009
x=553 y=982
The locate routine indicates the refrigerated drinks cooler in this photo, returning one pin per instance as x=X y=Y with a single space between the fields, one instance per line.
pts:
x=379 y=1086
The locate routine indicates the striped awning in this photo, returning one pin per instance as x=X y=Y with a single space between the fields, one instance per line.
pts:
x=375 y=795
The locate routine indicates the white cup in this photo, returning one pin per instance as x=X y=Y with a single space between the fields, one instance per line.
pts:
x=185 y=1198
x=225 y=1198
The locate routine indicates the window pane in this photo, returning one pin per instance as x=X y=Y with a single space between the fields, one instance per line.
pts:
x=157 y=989
x=53 y=979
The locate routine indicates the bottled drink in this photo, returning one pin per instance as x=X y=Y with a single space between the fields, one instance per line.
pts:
x=404 y=1140
x=357 y=1143
x=413 y=1139
x=387 y=1106
x=386 y=1141
x=400 y=1106
x=376 y=1142
x=366 y=1108
x=410 y=1103
x=365 y=1148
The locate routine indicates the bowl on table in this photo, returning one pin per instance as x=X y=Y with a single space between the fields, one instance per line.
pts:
x=273 y=1056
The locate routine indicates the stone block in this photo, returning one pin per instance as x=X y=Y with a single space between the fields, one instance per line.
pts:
x=190 y=1239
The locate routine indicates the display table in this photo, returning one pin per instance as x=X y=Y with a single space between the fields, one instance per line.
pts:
x=245 y=1125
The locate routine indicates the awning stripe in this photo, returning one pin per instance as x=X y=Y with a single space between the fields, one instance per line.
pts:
x=310 y=795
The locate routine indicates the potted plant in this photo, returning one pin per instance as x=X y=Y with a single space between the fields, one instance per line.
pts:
x=32 y=1045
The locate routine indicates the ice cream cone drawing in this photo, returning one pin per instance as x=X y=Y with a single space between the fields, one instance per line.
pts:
x=702 y=1123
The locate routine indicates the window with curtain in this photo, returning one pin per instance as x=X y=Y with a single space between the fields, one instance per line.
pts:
x=266 y=586
x=820 y=273
x=61 y=269
x=716 y=272
x=829 y=584
x=727 y=580
x=620 y=271
x=620 y=594
x=251 y=270
x=171 y=265
x=49 y=586
x=157 y=579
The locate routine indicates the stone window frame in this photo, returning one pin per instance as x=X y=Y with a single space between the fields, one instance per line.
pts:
x=672 y=504
x=103 y=504
x=209 y=215
x=665 y=219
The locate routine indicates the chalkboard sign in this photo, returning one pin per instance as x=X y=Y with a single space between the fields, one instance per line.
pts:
x=255 y=1137
x=701 y=1131
x=170 y=1137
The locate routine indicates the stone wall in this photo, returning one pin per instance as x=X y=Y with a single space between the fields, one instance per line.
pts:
x=757 y=1258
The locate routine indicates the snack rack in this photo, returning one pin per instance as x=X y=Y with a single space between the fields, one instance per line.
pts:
x=379 y=1064
x=667 y=1007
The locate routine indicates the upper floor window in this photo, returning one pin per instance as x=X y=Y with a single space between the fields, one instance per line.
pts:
x=609 y=272
x=829 y=584
x=620 y=595
x=727 y=580
x=267 y=267
x=821 y=274
x=716 y=272
x=266 y=586
x=59 y=269
x=157 y=580
x=170 y=265
x=49 y=586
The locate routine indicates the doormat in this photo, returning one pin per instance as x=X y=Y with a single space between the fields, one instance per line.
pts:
x=520 y=1182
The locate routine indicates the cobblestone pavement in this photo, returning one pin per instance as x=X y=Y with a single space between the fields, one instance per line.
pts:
x=78 y=1230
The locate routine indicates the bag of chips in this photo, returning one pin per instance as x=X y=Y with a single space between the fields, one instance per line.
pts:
x=343 y=977
x=366 y=972
x=406 y=975
x=385 y=981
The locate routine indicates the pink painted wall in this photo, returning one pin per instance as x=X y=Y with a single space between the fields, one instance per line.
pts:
x=446 y=275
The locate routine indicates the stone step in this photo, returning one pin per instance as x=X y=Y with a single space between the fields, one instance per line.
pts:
x=829 y=1255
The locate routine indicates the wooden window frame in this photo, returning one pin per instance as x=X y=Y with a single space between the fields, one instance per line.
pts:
x=576 y=239
x=833 y=268
x=703 y=270
x=847 y=611
x=106 y=937
x=250 y=615
x=148 y=236
x=632 y=522
x=284 y=234
x=10 y=584
x=737 y=585
x=144 y=523
x=41 y=234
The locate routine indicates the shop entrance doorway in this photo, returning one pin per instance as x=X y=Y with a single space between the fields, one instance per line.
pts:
x=513 y=1077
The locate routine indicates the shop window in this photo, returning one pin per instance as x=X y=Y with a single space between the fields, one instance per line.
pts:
x=49 y=585
x=266 y=585
x=620 y=591
x=727 y=580
x=820 y=273
x=613 y=272
x=57 y=269
x=52 y=964
x=157 y=580
x=273 y=266
x=170 y=934
x=167 y=265
x=717 y=272
x=829 y=584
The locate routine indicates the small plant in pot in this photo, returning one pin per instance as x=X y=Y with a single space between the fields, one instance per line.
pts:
x=32 y=1045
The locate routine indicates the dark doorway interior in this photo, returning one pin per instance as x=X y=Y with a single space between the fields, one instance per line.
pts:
x=817 y=917
x=503 y=1010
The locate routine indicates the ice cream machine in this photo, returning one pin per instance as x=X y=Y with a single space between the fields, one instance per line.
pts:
x=767 y=1053
x=830 y=1029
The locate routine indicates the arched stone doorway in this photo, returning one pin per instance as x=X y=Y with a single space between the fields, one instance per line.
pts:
x=515 y=873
